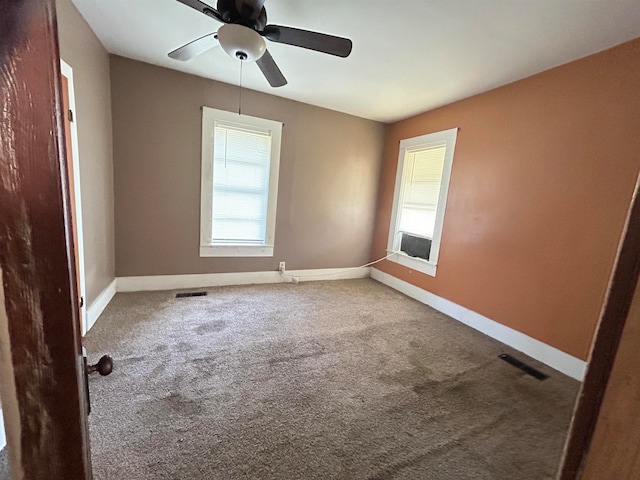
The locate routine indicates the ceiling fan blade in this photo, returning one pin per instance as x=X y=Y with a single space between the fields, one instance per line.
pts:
x=198 y=46
x=270 y=70
x=320 y=42
x=203 y=8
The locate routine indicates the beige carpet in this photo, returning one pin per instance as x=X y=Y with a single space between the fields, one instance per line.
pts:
x=344 y=380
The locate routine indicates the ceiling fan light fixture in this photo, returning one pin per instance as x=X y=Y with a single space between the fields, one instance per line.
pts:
x=241 y=42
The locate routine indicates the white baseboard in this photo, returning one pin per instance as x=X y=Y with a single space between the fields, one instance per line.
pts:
x=557 y=359
x=3 y=438
x=99 y=304
x=175 y=282
x=328 y=274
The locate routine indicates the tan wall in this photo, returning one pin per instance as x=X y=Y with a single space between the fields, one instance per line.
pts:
x=80 y=48
x=615 y=449
x=329 y=173
x=542 y=177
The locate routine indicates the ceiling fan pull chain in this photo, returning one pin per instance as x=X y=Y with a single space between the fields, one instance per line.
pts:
x=240 y=92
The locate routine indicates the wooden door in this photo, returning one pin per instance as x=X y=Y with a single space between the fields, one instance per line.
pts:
x=615 y=315
x=615 y=449
x=43 y=381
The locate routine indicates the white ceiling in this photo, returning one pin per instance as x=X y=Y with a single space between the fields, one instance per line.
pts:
x=409 y=56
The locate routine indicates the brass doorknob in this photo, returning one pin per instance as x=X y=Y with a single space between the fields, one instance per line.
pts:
x=104 y=366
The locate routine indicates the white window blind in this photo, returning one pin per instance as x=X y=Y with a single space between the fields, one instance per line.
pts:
x=241 y=163
x=420 y=190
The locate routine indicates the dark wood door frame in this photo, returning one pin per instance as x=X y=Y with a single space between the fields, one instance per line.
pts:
x=49 y=436
x=605 y=345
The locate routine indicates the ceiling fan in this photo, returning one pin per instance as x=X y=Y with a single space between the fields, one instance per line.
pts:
x=241 y=36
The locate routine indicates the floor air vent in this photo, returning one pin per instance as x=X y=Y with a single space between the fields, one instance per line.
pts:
x=523 y=366
x=191 y=294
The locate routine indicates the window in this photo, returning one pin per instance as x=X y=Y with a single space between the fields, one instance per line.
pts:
x=240 y=163
x=420 y=197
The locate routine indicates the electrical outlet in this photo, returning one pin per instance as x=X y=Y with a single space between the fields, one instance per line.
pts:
x=281 y=267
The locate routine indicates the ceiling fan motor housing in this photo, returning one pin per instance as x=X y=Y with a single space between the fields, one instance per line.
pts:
x=230 y=13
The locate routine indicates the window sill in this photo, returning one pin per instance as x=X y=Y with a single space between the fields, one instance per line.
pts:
x=236 y=250
x=414 y=263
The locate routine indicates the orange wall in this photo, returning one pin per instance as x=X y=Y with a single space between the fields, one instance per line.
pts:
x=542 y=177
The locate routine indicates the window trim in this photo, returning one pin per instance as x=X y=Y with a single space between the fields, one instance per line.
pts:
x=393 y=244
x=207 y=247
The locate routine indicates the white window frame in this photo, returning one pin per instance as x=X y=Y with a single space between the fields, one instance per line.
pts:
x=447 y=137
x=207 y=247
